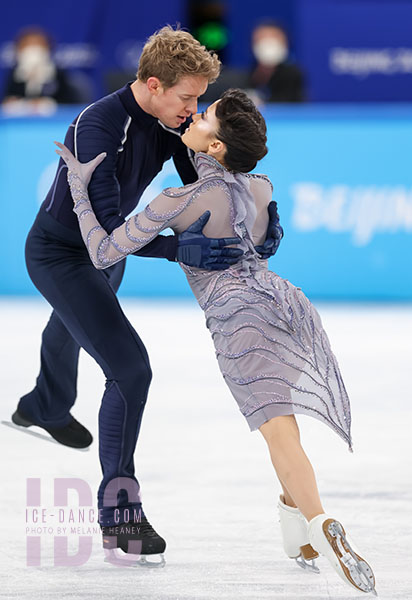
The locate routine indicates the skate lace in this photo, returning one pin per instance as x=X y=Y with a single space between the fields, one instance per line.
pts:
x=145 y=528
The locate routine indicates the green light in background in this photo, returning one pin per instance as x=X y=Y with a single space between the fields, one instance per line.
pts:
x=212 y=35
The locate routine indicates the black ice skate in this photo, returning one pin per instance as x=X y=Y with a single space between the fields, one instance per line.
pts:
x=137 y=539
x=74 y=435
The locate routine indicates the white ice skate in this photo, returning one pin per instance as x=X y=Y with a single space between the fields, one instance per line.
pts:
x=295 y=538
x=328 y=537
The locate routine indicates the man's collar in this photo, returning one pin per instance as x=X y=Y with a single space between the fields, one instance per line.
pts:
x=135 y=111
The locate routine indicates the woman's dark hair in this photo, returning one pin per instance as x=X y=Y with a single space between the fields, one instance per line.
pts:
x=243 y=129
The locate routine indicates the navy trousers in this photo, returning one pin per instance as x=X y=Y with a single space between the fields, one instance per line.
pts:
x=87 y=314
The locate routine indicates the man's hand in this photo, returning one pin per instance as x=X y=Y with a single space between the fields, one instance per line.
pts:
x=196 y=250
x=274 y=233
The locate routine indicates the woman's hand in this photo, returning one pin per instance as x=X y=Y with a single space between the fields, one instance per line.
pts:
x=83 y=171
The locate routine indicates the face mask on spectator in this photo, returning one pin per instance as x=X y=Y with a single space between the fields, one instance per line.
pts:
x=270 y=52
x=34 y=67
x=33 y=57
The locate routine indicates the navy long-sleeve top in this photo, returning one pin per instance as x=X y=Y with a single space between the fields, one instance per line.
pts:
x=137 y=145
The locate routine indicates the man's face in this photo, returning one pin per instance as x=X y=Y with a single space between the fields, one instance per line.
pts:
x=172 y=106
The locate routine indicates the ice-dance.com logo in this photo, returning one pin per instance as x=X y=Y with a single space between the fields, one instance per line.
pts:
x=71 y=523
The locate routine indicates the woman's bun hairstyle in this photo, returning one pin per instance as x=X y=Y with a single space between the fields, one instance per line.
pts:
x=243 y=130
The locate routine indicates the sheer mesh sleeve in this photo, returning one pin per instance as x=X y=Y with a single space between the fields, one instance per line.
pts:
x=140 y=229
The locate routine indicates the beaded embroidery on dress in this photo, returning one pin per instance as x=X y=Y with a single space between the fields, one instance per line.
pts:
x=270 y=344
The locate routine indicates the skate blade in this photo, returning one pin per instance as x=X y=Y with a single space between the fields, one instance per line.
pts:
x=356 y=569
x=37 y=434
x=306 y=565
x=126 y=560
x=24 y=429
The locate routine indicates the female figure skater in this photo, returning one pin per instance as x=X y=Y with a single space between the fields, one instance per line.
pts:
x=270 y=344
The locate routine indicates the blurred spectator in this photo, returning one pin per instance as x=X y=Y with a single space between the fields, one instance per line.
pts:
x=274 y=79
x=36 y=84
x=228 y=78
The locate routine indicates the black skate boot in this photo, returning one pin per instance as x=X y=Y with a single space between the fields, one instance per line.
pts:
x=134 y=538
x=74 y=435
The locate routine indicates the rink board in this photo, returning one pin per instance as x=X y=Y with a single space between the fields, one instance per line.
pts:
x=342 y=181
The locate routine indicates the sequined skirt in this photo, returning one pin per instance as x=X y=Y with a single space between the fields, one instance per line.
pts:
x=272 y=349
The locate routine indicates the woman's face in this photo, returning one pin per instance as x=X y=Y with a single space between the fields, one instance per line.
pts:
x=201 y=133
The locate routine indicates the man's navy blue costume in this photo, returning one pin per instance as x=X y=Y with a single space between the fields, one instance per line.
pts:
x=86 y=312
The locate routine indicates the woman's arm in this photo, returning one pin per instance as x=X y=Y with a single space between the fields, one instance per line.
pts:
x=104 y=249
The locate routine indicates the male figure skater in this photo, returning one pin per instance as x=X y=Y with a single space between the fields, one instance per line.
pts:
x=139 y=128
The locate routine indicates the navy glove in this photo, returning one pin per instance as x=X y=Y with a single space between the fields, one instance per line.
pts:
x=196 y=250
x=274 y=233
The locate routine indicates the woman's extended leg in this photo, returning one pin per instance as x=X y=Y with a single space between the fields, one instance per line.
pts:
x=325 y=534
x=292 y=466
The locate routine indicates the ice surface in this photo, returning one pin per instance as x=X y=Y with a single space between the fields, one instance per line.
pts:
x=208 y=485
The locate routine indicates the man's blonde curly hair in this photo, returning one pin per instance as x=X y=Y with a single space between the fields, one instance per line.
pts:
x=170 y=54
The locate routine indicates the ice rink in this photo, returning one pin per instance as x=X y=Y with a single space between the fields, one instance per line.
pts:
x=207 y=483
